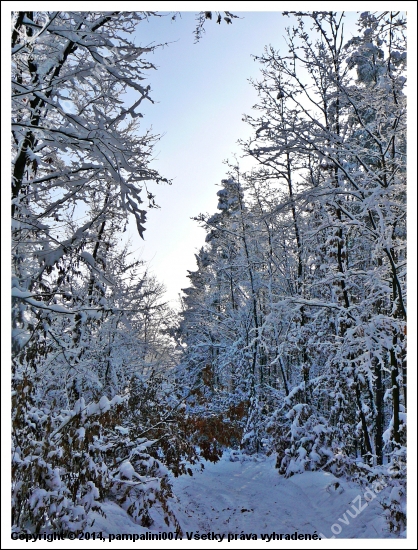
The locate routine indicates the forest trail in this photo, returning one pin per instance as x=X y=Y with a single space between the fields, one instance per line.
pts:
x=250 y=497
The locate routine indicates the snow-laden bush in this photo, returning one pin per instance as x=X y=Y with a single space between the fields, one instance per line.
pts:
x=395 y=504
x=66 y=463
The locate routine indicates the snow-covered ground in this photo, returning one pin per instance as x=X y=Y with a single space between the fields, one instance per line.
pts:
x=249 y=497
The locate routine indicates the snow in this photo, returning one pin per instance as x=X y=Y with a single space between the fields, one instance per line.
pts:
x=18 y=293
x=249 y=496
x=127 y=471
x=116 y=520
x=88 y=257
x=25 y=295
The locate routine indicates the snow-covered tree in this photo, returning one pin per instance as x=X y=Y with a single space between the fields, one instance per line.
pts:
x=319 y=250
x=90 y=328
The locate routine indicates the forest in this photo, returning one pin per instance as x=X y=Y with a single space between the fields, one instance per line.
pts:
x=291 y=337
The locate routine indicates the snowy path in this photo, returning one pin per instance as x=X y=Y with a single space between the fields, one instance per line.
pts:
x=250 y=497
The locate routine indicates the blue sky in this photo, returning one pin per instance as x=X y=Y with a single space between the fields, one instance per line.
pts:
x=202 y=92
